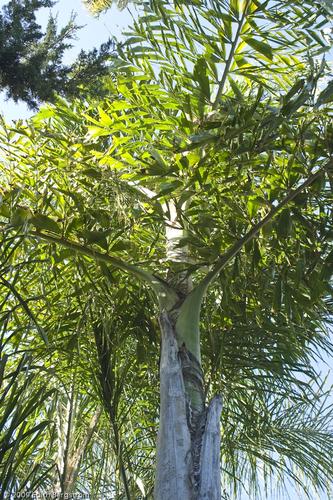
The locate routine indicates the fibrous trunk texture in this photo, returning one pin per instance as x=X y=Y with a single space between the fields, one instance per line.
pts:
x=188 y=449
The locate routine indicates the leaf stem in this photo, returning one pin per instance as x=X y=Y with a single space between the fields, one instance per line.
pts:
x=164 y=292
x=230 y=57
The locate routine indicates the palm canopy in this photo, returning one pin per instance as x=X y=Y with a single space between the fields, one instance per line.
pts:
x=215 y=111
x=98 y=6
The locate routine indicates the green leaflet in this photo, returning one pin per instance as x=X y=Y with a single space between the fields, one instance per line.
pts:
x=260 y=46
x=41 y=221
x=326 y=95
x=200 y=75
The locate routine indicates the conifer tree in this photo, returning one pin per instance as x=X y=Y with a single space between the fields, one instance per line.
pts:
x=31 y=60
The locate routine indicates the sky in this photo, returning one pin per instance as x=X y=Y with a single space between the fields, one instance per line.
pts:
x=94 y=32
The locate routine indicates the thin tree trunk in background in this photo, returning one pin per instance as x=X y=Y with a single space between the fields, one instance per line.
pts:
x=71 y=447
x=76 y=455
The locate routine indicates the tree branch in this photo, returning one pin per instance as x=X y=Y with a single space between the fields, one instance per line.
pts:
x=166 y=294
x=25 y=307
x=230 y=57
x=137 y=187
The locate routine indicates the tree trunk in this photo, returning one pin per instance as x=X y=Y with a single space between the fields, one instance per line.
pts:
x=188 y=448
x=71 y=448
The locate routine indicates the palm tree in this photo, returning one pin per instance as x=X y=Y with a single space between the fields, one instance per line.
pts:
x=198 y=193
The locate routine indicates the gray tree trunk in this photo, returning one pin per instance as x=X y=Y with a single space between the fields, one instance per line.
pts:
x=188 y=448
